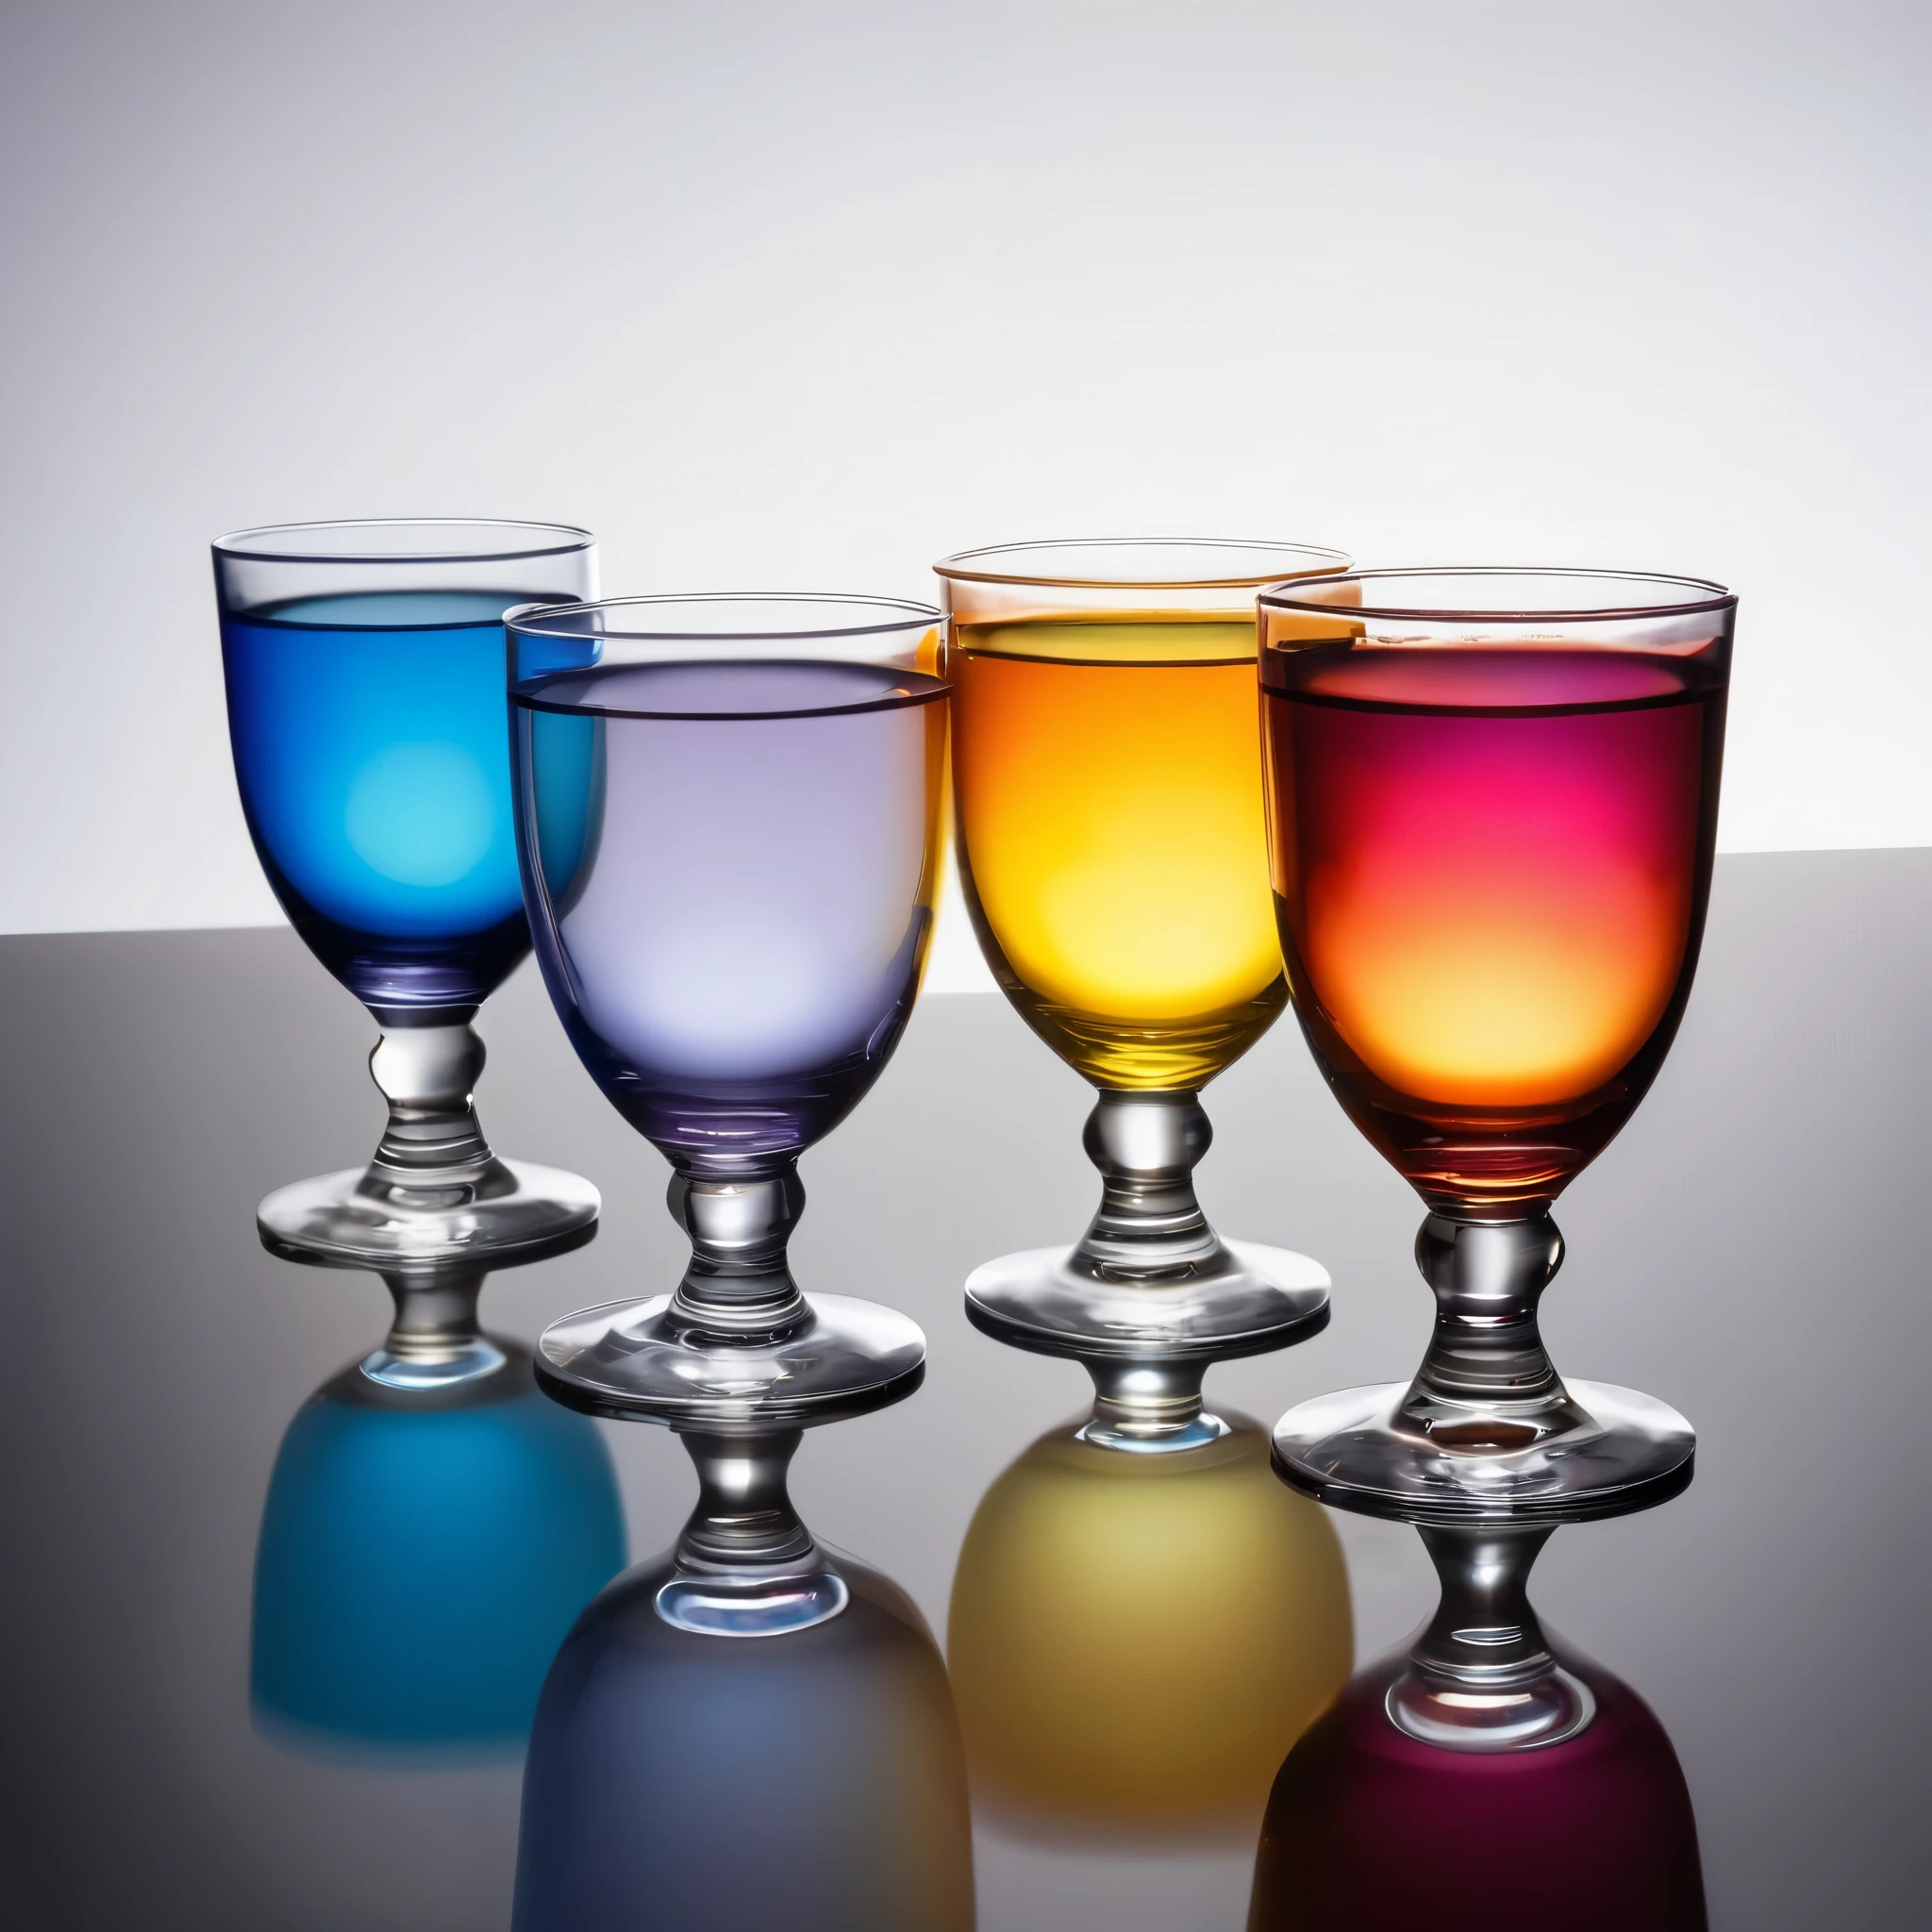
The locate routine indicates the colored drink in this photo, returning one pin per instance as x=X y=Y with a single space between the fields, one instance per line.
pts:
x=731 y=887
x=1111 y=842
x=423 y=1554
x=1491 y=868
x=1370 y=1831
x=1107 y=797
x=1196 y=1577
x=371 y=752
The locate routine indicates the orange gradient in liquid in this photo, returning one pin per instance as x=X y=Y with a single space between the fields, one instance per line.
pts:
x=1109 y=796
x=1492 y=908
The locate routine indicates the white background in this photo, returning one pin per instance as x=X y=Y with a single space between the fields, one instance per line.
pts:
x=803 y=297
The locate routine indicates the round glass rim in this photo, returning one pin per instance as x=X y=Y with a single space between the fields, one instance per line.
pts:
x=1713 y=598
x=269 y=542
x=544 y=619
x=958 y=567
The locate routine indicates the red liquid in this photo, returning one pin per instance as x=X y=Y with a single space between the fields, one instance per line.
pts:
x=1369 y=1831
x=1491 y=869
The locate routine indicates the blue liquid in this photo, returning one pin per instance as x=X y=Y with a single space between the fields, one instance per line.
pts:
x=422 y=1559
x=369 y=746
x=731 y=910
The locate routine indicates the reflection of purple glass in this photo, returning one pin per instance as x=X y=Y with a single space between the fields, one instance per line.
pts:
x=736 y=945
x=814 y=1784
x=727 y=810
x=1374 y=1831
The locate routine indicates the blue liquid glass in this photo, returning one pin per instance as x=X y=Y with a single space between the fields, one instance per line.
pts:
x=730 y=871
x=422 y=1557
x=370 y=747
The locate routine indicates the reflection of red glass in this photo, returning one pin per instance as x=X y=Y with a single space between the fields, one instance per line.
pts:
x=1491 y=865
x=1370 y=1831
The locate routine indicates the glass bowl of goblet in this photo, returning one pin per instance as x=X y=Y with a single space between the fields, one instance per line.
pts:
x=741 y=1761
x=1380 y=1826
x=427 y=1544
x=1107 y=805
x=1491 y=807
x=364 y=669
x=1134 y=1641
x=726 y=814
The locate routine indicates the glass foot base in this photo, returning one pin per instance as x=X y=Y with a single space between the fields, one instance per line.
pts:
x=515 y=1212
x=1252 y=1300
x=631 y=1361
x=1596 y=1450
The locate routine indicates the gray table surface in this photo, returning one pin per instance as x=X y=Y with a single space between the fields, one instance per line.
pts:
x=1752 y=1250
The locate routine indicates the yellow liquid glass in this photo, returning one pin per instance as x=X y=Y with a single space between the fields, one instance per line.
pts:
x=1111 y=840
x=1136 y=1641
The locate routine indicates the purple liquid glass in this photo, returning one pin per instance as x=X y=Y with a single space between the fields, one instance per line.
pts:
x=727 y=811
x=730 y=896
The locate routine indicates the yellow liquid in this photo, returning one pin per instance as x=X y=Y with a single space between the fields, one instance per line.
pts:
x=1107 y=787
x=1136 y=1641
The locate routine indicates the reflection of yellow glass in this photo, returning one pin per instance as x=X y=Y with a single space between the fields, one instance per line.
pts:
x=1111 y=837
x=1136 y=1641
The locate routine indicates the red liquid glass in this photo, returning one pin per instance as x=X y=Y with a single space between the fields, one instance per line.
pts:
x=1370 y=1831
x=1490 y=865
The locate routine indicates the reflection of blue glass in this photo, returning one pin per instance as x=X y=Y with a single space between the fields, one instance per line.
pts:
x=371 y=747
x=812 y=1781
x=423 y=1555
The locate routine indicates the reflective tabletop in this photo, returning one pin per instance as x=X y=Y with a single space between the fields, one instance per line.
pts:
x=273 y=1631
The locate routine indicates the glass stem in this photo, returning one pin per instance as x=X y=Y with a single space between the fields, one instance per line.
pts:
x=1484 y=1624
x=746 y=1566
x=1150 y=1227
x=428 y=1070
x=738 y=1284
x=436 y=1313
x=1148 y=1405
x=1488 y=1277
x=744 y=1520
x=1481 y=1678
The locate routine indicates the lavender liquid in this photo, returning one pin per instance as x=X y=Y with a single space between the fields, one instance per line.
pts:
x=730 y=870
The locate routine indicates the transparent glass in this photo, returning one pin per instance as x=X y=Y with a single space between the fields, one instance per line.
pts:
x=364 y=671
x=1492 y=807
x=727 y=809
x=1107 y=805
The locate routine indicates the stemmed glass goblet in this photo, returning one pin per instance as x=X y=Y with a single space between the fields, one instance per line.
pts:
x=813 y=1780
x=727 y=815
x=1491 y=807
x=1380 y=1828
x=1196 y=1578
x=1110 y=847
x=433 y=1525
x=364 y=668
